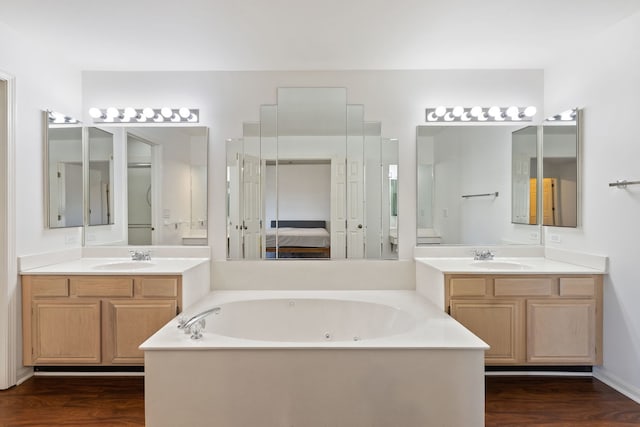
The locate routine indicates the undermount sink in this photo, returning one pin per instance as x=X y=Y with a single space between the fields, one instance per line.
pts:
x=500 y=265
x=124 y=265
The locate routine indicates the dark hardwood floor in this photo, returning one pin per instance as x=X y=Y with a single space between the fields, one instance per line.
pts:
x=510 y=401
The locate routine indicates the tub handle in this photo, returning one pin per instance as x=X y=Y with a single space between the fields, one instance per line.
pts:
x=195 y=325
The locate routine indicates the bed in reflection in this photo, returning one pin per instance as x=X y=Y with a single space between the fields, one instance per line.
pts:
x=298 y=239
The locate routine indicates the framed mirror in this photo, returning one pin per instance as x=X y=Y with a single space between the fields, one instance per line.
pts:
x=464 y=175
x=311 y=180
x=524 y=176
x=100 y=177
x=63 y=170
x=560 y=172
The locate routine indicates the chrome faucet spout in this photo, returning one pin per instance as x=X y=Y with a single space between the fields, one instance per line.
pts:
x=141 y=255
x=483 y=254
x=198 y=317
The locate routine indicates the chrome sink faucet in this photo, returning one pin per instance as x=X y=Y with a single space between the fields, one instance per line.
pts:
x=142 y=255
x=483 y=254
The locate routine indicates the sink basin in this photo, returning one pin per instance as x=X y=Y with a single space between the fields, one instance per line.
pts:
x=500 y=265
x=124 y=265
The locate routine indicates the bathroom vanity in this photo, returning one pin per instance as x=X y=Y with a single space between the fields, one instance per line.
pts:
x=531 y=311
x=96 y=311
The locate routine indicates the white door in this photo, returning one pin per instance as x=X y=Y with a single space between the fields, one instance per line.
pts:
x=251 y=207
x=338 y=208
x=234 y=221
x=355 y=209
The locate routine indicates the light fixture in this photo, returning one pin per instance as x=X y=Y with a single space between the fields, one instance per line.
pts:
x=480 y=114
x=565 y=116
x=141 y=115
x=56 y=118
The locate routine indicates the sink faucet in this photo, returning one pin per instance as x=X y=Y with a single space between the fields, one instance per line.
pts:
x=195 y=325
x=141 y=255
x=482 y=254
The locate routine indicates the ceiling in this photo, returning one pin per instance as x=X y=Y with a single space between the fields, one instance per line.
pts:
x=310 y=34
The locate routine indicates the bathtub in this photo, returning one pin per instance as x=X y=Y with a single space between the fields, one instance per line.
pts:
x=316 y=358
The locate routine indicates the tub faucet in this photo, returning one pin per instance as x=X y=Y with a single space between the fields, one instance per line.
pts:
x=482 y=254
x=195 y=325
x=140 y=255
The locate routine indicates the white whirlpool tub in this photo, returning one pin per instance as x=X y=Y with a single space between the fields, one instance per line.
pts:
x=316 y=358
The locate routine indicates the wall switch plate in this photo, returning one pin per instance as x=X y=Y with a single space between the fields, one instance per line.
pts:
x=555 y=238
x=166 y=213
x=70 y=239
x=534 y=235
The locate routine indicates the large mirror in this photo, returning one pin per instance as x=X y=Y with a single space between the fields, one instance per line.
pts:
x=100 y=189
x=561 y=141
x=524 y=176
x=312 y=179
x=63 y=170
x=159 y=187
x=464 y=175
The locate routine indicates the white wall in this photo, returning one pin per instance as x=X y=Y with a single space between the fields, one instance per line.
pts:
x=303 y=192
x=601 y=76
x=396 y=98
x=42 y=81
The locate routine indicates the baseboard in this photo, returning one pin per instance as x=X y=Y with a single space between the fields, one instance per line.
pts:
x=631 y=391
x=24 y=375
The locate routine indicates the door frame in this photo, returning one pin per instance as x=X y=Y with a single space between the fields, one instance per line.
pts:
x=8 y=264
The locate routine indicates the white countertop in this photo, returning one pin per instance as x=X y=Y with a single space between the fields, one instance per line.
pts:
x=506 y=265
x=118 y=266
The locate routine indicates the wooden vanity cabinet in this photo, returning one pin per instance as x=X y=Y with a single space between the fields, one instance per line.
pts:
x=531 y=320
x=95 y=320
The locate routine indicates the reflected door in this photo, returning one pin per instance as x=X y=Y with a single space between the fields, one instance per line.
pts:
x=139 y=204
x=338 y=209
x=355 y=211
x=251 y=207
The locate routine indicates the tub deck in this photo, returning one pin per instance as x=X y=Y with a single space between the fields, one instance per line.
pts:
x=431 y=375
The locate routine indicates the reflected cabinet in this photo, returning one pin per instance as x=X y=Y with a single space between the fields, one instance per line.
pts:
x=312 y=179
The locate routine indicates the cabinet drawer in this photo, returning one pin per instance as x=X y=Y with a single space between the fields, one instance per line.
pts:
x=468 y=287
x=508 y=287
x=577 y=286
x=161 y=287
x=49 y=287
x=102 y=287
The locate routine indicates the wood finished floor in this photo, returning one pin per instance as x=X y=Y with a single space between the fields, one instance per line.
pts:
x=510 y=401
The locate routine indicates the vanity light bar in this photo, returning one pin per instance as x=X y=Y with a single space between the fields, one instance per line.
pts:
x=480 y=114
x=59 y=118
x=143 y=115
x=565 y=116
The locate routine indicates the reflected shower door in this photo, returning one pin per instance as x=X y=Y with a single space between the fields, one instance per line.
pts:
x=139 y=202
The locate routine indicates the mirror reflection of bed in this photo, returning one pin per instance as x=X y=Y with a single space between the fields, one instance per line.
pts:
x=302 y=197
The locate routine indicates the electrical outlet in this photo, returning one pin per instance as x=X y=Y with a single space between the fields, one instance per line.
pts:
x=91 y=237
x=534 y=236
x=555 y=238
x=166 y=213
x=70 y=239
x=445 y=213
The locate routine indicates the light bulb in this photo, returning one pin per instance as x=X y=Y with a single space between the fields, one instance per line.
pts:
x=158 y=118
x=166 y=112
x=141 y=118
x=193 y=118
x=95 y=113
x=457 y=111
x=184 y=112
x=513 y=112
x=112 y=112
x=431 y=117
x=530 y=111
x=441 y=111
x=448 y=117
x=482 y=117
x=465 y=117
x=149 y=113
x=175 y=117
x=567 y=115
x=476 y=111
x=494 y=111
x=130 y=112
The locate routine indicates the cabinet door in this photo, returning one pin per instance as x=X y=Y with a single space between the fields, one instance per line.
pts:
x=128 y=323
x=498 y=323
x=561 y=331
x=65 y=332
